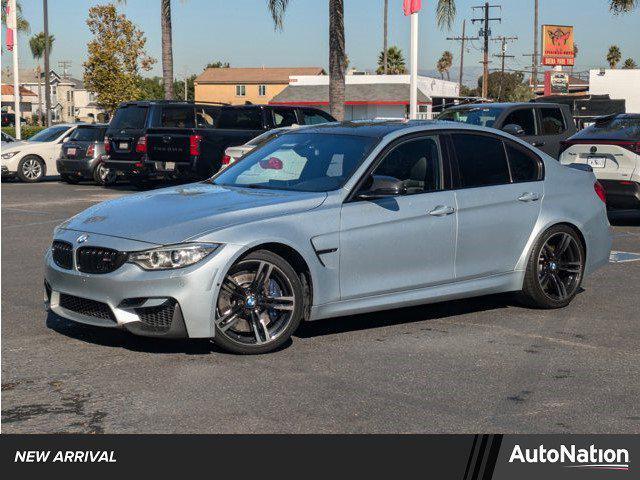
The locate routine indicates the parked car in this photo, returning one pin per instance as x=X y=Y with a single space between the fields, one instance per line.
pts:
x=332 y=220
x=543 y=125
x=82 y=156
x=150 y=139
x=612 y=148
x=31 y=160
x=9 y=120
x=6 y=138
x=233 y=154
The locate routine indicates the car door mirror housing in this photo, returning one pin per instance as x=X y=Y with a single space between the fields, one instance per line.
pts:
x=381 y=186
x=513 y=129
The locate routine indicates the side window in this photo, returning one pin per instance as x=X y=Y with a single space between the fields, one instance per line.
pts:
x=525 y=166
x=481 y=160
x=314 y=117
x=177 y=117
x=240 y=118
x=205 y=117
x=552 y=121
x=284 y=117
x=524 y=117
x=415 y=162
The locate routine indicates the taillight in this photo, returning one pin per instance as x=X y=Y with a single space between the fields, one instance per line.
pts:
x=141 y=146
x=564 y=145
x=107 y=145
x=226 y=160
x=600 y=191
x=91 y=150
x=194 y=144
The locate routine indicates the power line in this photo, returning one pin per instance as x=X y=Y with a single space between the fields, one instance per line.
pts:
x=486 y=33
x=503 y=56
x=462 y=41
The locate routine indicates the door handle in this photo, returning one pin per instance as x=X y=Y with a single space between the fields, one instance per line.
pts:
x=441 y=211
x=537 y=144
x=529 y=197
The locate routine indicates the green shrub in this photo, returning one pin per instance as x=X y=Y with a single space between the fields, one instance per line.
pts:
x=27 y=131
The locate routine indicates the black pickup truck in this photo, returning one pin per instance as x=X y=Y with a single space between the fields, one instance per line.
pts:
x=148 y=139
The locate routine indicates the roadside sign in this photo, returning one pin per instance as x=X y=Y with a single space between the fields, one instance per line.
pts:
x=557 y=45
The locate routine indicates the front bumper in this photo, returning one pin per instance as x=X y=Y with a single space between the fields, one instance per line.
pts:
x=622 y=194
x=6 y=173
x=169 y=303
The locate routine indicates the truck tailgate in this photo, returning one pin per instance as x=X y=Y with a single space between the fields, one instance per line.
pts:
x=167 y=145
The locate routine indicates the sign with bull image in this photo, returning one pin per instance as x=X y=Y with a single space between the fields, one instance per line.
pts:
x=557 y=45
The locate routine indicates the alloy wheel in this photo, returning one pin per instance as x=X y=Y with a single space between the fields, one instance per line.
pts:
x=31 y=169
x=106 y=175
x=560 y=266
x=256 y=303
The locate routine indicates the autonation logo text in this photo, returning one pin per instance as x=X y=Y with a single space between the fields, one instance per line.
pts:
x=573 y=457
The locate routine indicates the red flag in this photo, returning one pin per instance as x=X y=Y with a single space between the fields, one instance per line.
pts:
x=10 y=27
x=412 y=6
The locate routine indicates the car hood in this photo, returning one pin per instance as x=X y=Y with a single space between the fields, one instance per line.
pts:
x=17 y=145
x=175 y=214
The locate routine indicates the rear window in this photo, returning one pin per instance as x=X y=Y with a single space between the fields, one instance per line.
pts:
x=482 y=116
x=619 y=128
x=88 y=134
x=129 y=117
x=240 y=118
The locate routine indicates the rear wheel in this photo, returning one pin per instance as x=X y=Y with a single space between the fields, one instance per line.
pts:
x=103 y=175
x=260 y=304
x=555 y=269
x=31 y=169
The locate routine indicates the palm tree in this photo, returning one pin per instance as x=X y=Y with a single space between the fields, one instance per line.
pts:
x=622 y=6
x=447 y=62
x=277 y=9
x=630 y=64
x=167 y=49
x=613 y=56
x=22 y=24
x=385 y=46
x=395 y=62
x=37 y=44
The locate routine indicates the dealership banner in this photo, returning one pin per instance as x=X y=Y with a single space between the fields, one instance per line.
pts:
x=557 y=45
x=456 y=457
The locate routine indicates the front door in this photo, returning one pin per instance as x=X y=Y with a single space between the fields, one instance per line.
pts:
x=405 y=241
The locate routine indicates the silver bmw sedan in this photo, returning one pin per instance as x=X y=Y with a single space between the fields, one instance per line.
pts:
x=327 y=221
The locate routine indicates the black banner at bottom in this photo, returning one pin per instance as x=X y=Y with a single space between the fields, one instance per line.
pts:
x=459 y=457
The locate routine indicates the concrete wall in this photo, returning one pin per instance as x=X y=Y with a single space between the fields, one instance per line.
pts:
x=618 y=84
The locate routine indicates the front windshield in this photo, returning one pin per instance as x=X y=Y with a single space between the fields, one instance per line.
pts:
x=308 y=162
x=482 y=116
x=49 y=134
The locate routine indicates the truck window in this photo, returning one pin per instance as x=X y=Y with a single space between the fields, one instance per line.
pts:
x=284 y=117
x=314 y=117
x=129 y=117
x=525 y=118
x=552 y=121
x=177 y=117
x=240 y=118
x=206 y=117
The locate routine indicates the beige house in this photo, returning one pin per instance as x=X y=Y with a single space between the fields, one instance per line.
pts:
x=238 y=86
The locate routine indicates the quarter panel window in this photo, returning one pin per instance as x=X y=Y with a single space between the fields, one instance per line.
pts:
x=417 y=163
x=525 y=167
x=525 y=117
x=481 y=160
x=552 y=121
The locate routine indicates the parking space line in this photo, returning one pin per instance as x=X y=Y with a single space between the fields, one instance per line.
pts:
x=35 y=223
x=22 y=210
x=623 y=257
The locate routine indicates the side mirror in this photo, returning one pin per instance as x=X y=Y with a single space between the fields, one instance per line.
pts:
x=513 y=129
x=381 y=186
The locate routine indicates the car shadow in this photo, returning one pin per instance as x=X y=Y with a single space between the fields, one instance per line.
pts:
x=624 y=218
x=398 y=316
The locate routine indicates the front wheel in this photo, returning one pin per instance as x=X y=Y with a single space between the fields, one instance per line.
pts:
x=31 y=169
x=555 y=269
x=260 y=304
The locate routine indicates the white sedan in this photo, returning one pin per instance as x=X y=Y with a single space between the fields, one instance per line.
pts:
x=31 y=160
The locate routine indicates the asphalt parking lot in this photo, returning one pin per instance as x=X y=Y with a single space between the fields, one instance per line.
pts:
x=476 y=365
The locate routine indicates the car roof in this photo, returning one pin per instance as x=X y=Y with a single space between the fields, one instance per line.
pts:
x=377 y=128
x=503 y=105
x=93 y=125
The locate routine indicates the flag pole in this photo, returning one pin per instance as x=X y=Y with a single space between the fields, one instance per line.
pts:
x=16 y=80
x=413 y=88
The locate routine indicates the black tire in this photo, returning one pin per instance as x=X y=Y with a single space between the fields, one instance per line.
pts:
x=100 y=178
x=71 y=180
x=31 y=169
x=554 y=270
x=280 y=323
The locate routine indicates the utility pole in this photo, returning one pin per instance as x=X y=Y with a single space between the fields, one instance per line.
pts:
x=462 y=41
x=486 y=33
x=47 y=82
x=12 y=22
x=534 y=60
x=535 y=63
x=503 y=55
x=65 y=65
x=385 y=40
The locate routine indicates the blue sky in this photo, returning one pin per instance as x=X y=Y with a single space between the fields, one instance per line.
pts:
x=241 y=31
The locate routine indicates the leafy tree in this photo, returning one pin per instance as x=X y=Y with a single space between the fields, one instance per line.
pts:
x=514 y=89
x=115 y=57
x=217 y=64
x=37 y=45
x=630 y=64
x=395 y=62
x=622 y=6
x=614 y=56
x=178 y=88
x=151 y=89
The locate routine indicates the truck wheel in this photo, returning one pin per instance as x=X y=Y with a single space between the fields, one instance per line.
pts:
x=31 y=169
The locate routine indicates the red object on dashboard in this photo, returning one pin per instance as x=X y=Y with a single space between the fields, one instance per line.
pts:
x=226 y=160
x=272 y=163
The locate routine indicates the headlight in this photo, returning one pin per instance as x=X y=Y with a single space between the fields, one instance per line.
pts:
x=8 y=155
x=172 y=256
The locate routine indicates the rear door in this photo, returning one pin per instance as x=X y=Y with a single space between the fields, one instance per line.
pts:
x=553 y=128
x=499 y=189
x=169 y=140
x=126 y=127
